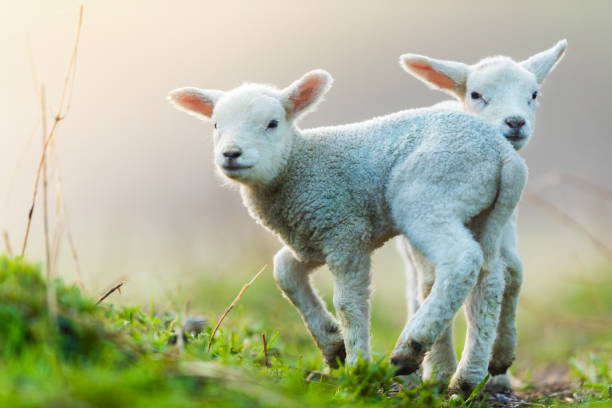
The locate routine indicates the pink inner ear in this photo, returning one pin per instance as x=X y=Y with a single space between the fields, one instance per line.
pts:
x=433 y=76
x=192 y=102
x=305 y=94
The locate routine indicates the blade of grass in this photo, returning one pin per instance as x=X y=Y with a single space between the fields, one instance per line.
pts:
x=231 y=306
x=116 y=287
x=265 y=349
x=61 y=114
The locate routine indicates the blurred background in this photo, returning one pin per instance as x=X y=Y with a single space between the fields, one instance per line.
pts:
x=141 y=195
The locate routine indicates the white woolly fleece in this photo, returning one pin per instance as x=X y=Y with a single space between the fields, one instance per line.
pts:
x=334 y=194
x=495 y=89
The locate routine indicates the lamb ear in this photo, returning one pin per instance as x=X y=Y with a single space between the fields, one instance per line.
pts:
x=194 y=101
x=544 y=62
x=447 y=76
x=306 y=93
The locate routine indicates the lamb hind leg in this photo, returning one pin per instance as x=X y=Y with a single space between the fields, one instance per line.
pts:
x=457 y=259
x=410 y=269
x=292 y=277
x=482 y=311
x=505 y=343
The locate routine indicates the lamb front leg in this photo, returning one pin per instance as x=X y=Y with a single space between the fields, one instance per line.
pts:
x=440 y=362
x=351 y=274
x=457 y=259
x=293 y=278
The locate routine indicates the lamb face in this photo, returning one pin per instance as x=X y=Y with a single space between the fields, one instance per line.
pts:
x=498 y=89
x=252 y=135
x=505 y=94
x=253 y=123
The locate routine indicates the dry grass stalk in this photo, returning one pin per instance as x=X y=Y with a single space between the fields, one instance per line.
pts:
x=116 y=287
x=62 y=112
x=43 y=106
x=572 y=222
x=51 y=298
x=265 y=349
x=556 y=178
x=7 y=243
x=62 y=226
x=75 y=256
x=231 y=306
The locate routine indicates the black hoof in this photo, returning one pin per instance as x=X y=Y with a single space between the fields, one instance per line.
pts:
x=339 y=355
x=462 y=388
x=497 y=369
x=403 y=367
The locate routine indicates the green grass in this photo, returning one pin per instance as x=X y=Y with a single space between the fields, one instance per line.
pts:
x=109 y=356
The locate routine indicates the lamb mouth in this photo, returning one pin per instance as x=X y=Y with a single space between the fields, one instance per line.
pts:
x=514 y=137
x=235 y=167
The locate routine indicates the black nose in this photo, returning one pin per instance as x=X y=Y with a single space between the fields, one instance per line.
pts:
x=232 y=154
x=515 y=122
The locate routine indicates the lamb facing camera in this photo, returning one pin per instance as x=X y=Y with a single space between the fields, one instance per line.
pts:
x=334 y=194
x=505 y=93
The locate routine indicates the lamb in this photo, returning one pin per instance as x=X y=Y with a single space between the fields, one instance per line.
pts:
x=505 y=93
x=332 y=195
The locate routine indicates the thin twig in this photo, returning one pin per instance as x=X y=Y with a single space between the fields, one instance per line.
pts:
x=265 y=349
x=117 y=286
x=230 y=307
x=7 y=243
x=555 y=178
x=572 y=222
x=43 y=106
x=75 y=256
x=62 y=215
x=61 y=114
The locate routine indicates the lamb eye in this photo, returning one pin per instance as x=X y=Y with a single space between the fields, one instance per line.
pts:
x=475 y=95
x=215 y=125
x=534 y=95
x=273 y=124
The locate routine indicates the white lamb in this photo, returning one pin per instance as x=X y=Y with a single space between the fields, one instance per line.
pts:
x=503 y=92
x=334 y=194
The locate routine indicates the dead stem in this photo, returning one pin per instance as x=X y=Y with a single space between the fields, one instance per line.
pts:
x=61 y=114
x=572 y=222
x=63 y=225
x=43 y=106
x=556 y=178
x=230 y=307
x=116 y=287
x=7 y=243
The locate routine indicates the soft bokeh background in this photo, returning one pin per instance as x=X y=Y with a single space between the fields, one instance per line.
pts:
x=138 y=180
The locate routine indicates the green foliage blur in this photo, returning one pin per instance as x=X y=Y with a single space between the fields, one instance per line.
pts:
x=107 y=356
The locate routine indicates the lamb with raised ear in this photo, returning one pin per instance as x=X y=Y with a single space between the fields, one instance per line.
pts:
x=505 y=93
x=334 y=194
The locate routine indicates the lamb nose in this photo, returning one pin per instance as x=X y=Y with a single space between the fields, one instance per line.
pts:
x=515 y=122
x=232 y=154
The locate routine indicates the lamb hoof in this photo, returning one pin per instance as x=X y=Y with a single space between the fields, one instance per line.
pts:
x=499 y=384
x=404 y=366
x=339 y=353
x=497 y=368
x=408 y=359
x=461 y=387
